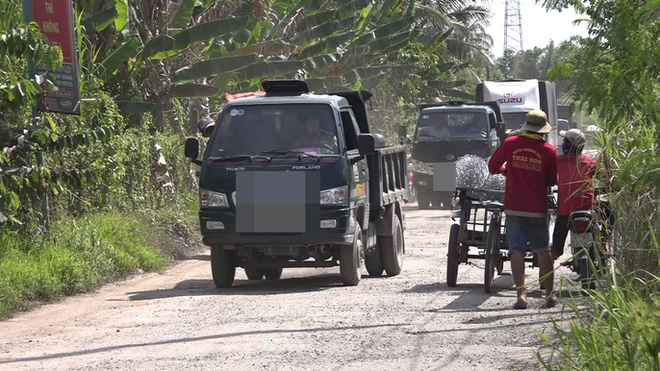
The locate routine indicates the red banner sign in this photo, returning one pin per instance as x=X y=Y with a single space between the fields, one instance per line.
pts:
x=55 y=19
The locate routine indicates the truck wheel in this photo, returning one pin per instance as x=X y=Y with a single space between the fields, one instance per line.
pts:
x=372 y=253
x=350 y=267
x=254 y=274
x=391 y=249
x=223 y=266
x=273 y=273
x=423 y=200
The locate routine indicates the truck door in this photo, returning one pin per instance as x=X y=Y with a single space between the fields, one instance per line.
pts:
x=358 y=172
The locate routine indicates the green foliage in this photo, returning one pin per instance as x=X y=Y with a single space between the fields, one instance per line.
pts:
x=620 y=331
x=17 y=90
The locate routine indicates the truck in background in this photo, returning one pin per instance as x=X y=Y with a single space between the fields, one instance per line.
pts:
x=517 y=97
x=450 y=137
x=271 y=199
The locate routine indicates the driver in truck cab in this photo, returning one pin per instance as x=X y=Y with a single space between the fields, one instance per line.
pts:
x=478 y=127
x=531 y=168
x=437 y=128
x=311 y=134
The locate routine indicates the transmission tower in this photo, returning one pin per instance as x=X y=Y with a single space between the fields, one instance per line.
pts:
x=512 y=29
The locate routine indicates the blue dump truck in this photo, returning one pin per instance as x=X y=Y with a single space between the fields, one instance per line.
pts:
x=297 y=179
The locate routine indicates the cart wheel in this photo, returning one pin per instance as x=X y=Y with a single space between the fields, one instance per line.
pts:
x=452 y=255
x=492 y=251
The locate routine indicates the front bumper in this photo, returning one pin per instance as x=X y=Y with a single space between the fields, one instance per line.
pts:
x=339 y=234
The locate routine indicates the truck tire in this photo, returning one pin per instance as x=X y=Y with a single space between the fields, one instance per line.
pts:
x=273 y=273
x=254 y=274
x=223 y=266
x=391 y=249
x=423 y=199
x=350 y=265
x=372 y=260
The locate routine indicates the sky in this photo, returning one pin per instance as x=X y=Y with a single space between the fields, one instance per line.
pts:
x=538 y=26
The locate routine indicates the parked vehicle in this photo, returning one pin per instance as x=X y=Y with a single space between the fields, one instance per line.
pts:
x=270 y=200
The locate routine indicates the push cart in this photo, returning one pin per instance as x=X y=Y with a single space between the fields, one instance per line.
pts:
x=481 y=234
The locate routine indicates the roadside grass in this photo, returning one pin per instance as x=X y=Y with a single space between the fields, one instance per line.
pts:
x=617 y=325
x=86 y=252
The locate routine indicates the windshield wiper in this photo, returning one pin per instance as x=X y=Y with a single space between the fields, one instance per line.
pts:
x=239 y=157
x=288 y=151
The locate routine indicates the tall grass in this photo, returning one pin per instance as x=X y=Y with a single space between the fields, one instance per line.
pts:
x=617 y=326
x=88 y=251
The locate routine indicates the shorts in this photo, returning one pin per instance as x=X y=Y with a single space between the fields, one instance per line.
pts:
x=559 y=234
x=523 y=229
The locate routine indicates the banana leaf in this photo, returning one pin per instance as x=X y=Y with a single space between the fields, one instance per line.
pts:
x=114 y=61
x=194 y=90
x=99 y=21
x=212 y=67
x=268 y=69
x=322 y=31
x=181 y=17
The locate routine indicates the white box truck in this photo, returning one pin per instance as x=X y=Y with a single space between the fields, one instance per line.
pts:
x=517 y=97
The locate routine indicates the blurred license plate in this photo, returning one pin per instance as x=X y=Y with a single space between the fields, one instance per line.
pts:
x=581 y=239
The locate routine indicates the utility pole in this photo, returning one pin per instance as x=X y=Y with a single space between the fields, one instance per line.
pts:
x=513 y=31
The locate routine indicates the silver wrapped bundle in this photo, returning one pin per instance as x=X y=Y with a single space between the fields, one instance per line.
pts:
x=472 y=172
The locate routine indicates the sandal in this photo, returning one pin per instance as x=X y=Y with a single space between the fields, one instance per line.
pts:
x=551 y=301
x=520 y=304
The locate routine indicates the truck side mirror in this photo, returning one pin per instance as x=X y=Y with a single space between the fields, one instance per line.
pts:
x=366 y=144
x=191 y=150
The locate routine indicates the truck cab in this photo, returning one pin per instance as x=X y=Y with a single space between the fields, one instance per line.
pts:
x=287 y=180
x=445 y=132
x=517 y=97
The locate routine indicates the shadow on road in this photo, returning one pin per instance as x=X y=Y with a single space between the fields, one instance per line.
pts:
x=193 y=339
x=202 y=257
x=205 y=287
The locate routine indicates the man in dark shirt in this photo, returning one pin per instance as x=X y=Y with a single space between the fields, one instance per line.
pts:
x=531 y=167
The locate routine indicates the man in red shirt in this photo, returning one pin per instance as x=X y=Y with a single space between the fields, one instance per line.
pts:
x=576 y=191
x=531 y=167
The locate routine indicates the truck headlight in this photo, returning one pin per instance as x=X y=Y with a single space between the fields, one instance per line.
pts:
x=212 y=199
x=422 y=168
x=334 y=196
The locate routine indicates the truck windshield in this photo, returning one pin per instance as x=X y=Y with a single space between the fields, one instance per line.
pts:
x=514 y=120
x=276 y=129
x=452 y=125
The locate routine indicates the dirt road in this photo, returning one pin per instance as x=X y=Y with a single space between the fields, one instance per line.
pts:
x=177 y=320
